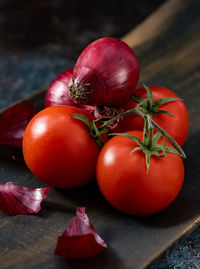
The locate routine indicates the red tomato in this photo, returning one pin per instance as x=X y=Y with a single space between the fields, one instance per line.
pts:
x=176 y=127
x=58 y=149
x=123 y=179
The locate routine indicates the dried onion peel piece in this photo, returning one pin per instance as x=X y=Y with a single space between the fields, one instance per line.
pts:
x=79 y=240
x=13 y=123
x=17 y=200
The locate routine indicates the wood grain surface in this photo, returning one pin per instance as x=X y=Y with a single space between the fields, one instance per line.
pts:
x=168 y=58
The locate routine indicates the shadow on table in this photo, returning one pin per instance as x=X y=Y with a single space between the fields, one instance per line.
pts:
x=108 y=257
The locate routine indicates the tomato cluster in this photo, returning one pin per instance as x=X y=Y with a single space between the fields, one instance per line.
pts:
x=139 y=172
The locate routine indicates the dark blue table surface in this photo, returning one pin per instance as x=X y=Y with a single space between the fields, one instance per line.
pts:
x=38 y=41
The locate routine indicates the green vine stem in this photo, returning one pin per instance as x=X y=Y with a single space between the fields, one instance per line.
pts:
x=150 y=130
x=149 y=123
x=171 y=140
x=104 y=127
x=135 y=110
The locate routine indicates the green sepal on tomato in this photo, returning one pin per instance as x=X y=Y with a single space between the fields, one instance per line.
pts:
x=59 y=149
x=125 y=183
x=175 y=122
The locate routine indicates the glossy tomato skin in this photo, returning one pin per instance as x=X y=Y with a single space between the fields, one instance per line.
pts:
x=176 y=127
x=58 y=149
x=125 y=183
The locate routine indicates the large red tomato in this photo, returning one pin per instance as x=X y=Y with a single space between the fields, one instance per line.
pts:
x=177 y=126
x=58 y=149
x=123 y=179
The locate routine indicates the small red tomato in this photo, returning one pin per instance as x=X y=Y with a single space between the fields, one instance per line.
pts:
x=123 y=179
x=59 y=149
x=177 y=126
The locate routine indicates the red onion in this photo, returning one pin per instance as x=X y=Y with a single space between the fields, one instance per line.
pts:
x=13 y=123
x=58 y=92
x=79 y=240
x=20 y=200
x=106 y=73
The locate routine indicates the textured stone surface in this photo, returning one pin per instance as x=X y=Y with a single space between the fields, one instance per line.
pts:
x=184 y=255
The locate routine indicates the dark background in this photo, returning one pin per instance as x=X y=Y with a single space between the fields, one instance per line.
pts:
x=27 y=25
x=39 y=39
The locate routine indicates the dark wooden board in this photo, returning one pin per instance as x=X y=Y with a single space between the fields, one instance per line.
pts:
x=169 y=58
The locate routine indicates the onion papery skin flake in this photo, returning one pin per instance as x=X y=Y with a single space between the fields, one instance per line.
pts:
x=79 y=240
x=18 y=200
x=13 y=124
x=105 y=74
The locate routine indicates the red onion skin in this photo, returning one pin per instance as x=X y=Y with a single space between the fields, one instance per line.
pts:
x=58 y=92
x=18 y=200
x=109 y=70
x=13 y=123
x=79 y=240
